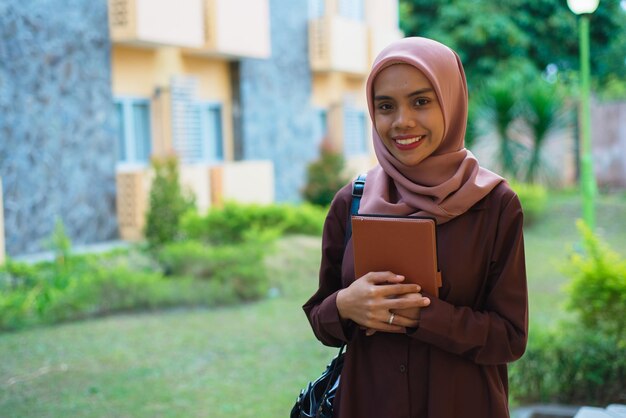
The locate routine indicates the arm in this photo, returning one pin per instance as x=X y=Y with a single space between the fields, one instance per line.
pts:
x=495 y=333
x=321 y=308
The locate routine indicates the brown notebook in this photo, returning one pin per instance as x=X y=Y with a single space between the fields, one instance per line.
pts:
x=402 y=245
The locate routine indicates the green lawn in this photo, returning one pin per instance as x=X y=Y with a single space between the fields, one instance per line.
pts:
x=246 y=361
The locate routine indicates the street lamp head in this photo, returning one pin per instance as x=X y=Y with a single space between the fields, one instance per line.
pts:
x=583 y=6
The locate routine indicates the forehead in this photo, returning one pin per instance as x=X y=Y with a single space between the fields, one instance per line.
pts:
x=400 y=77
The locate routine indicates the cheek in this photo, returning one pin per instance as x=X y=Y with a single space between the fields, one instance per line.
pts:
x=381 y=125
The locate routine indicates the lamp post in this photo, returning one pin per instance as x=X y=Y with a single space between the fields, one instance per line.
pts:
x=584 y=8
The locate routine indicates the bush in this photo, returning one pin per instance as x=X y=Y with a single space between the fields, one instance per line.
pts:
x=168 y=203
x=534 y=199
x=237 y=223
x=124 y=281
x=584 y=362
x=324 y=177
x=239 y=268
x=578 y=366
x=597 y=292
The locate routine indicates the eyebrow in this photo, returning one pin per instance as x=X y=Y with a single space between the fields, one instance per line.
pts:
x=415 y=93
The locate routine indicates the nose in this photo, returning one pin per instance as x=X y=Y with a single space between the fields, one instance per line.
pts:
x=405 y=119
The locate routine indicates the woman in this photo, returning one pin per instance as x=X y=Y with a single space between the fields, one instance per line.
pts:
x=446 y=357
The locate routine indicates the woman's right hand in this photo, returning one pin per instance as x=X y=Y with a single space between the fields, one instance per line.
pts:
x=369 y=300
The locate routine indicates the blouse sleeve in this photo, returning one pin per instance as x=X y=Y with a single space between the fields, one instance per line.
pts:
x=497 y=333
x=321 y=309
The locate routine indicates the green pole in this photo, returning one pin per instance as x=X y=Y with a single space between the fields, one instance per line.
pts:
x=587 y=179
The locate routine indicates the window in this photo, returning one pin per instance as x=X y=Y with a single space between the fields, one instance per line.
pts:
x=352 y=9
x=316 y=9
x=196 y=125
x=212 y=148
x=134 y=137
x=320 y=126
x=354 y=134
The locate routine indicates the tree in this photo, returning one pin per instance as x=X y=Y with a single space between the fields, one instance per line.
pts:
x=487 y=34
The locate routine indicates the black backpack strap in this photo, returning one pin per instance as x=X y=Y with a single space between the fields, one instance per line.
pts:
x=357 y=192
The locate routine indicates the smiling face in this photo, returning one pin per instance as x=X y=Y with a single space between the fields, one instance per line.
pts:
x=407 y=113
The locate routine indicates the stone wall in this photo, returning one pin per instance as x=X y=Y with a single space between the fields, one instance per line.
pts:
x=277 y=115
x=57 y=131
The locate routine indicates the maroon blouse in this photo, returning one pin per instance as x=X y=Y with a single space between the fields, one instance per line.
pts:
x=454 y=364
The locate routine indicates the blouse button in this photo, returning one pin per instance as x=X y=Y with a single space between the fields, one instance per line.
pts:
x=402 y=368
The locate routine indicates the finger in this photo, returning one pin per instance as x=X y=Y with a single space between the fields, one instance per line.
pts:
x=400 y=289
x=383 y=277
x=407 y=301
x=405 y=322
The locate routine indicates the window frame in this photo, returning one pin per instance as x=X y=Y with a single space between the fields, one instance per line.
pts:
x=211 y=152
x=128 y=129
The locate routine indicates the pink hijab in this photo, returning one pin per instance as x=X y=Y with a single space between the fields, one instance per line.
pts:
x=449 y=181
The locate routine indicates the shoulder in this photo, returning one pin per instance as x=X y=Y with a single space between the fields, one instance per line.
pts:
x=503 y=192
x=505 y=201
x=502 y=198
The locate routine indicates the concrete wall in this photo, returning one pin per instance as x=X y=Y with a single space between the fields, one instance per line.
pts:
x=608 y=143
x=277 y=116
x=57 y=127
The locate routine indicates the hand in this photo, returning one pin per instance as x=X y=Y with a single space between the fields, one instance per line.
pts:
x=409 y=313
x=370 y=300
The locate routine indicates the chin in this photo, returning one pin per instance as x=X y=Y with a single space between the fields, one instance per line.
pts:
x=410 y=162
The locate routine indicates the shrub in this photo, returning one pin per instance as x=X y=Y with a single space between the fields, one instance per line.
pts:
x=597 y=291
x=168 y=203
x=324 y=176
x=126 y=281
x=236 y=267
x=237 y=223
x=577 y=366
x=583 y=362
x=534 y=199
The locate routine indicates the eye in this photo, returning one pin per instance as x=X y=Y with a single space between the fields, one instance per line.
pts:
x=422 y=101
x=385 y=107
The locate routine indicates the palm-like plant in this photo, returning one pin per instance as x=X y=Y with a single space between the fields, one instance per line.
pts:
x=499 y=99
x=542 y=114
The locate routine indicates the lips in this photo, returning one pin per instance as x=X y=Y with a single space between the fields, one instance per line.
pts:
x=406 y=142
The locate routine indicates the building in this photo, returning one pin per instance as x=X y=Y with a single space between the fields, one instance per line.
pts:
x=245 y=109
x=242 y=91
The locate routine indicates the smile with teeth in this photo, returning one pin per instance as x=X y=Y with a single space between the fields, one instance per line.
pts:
x=409 y=141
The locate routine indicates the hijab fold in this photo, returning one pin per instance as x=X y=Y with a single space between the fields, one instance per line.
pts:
x=449 y=181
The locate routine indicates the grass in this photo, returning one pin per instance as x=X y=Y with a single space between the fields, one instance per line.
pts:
x=550 y=240
x=246 y=361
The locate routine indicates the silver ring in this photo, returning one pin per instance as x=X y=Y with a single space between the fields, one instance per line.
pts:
x=393 y=315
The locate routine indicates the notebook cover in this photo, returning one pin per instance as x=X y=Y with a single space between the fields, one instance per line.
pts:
x=402 y=245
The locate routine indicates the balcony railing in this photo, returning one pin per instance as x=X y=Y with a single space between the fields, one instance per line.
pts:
x=338 y=44
x=238 y=28
x=157 y=22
